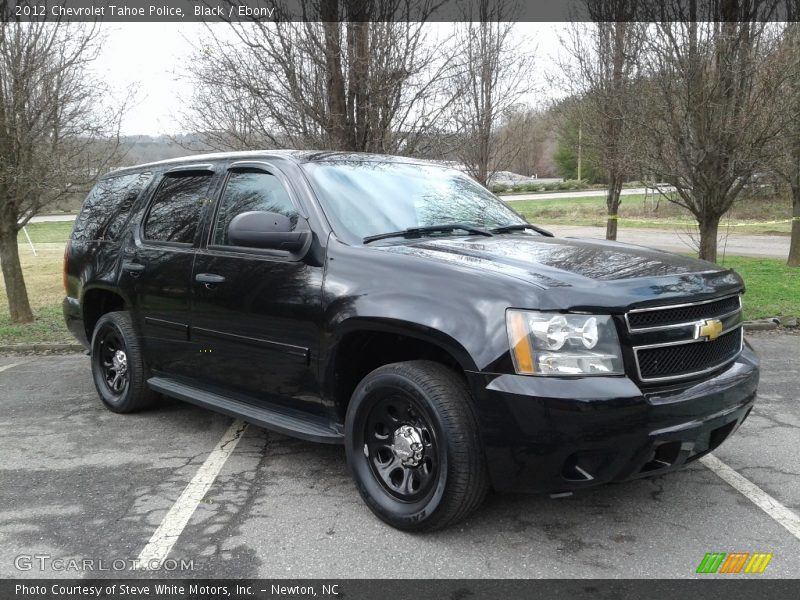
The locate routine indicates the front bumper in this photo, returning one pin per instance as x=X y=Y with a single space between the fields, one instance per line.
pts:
x=546 y=434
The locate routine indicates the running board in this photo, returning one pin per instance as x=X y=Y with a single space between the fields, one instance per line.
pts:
x=313 y=429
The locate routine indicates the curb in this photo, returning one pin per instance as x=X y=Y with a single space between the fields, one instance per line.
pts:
x=761 y=325
x=43 y=347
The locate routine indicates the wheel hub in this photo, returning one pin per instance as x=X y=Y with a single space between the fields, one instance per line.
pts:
x=407 y=445
x=119 y=362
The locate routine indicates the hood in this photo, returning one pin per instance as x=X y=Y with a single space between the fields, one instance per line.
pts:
x=554 y=262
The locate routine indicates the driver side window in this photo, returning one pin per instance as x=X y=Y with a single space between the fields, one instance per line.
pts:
x=248 y=191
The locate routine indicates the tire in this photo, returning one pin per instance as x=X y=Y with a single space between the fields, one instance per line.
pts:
x=413 y=446
x=122 y=389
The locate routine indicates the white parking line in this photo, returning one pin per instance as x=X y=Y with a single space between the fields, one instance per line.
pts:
x=159 y=546
x=785 y=517
x=11 y=366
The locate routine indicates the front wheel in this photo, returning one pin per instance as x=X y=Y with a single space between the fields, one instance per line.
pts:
x=413 y=446
x=118 y=368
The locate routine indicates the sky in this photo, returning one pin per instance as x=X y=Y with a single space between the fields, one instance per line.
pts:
x=150 y=57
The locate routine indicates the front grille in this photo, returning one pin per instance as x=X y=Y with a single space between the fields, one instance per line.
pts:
x=688 y=359
x=671 y=342
x=655 y=317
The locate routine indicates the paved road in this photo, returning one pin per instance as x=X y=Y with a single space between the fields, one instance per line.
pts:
x=576 y=194
x=53 y=219
x=735 y=244
x=82 y=482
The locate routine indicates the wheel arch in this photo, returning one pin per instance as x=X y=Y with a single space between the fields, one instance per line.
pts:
x=98 y=300
x=362 y=345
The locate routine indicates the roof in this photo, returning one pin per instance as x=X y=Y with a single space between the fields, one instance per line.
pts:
x=296 y=155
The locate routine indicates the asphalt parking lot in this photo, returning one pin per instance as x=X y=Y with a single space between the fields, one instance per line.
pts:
x=79 y=482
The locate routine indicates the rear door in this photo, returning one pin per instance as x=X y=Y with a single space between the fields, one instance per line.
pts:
x=156 y=270
x=256 y=313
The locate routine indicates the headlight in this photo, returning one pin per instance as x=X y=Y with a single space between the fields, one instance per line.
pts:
x=561 y=344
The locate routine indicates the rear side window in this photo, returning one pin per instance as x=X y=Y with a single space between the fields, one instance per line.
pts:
x=108 y=206
x=248 y=191
x=175 y=212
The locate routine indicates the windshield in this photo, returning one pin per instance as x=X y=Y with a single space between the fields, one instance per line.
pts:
x=367 y=198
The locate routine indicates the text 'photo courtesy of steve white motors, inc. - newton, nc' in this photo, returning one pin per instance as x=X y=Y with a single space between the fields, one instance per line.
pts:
x=177 y=590
x=199 y=590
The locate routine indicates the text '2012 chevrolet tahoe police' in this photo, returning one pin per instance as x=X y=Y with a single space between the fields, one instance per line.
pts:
x=397 y=307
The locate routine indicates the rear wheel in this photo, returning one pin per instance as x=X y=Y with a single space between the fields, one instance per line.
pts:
x=413 y=446
x=118 y=368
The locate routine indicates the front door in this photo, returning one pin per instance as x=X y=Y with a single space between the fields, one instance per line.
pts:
x=255 y=312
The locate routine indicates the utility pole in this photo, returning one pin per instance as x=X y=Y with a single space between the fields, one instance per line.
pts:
x=580 y=139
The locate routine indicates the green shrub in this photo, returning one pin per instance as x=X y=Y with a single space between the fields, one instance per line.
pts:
x=572 y=184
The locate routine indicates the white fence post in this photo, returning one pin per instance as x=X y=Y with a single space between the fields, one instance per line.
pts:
x=33 y=248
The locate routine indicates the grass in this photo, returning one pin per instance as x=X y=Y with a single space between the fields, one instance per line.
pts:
x=773 y=289
x=45 y=289
x=763 y=215
x=47 y=233
x=48 y=327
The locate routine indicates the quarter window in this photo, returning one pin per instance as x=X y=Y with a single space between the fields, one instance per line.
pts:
x=251 y=191
x=176 y=209
x=108 y=207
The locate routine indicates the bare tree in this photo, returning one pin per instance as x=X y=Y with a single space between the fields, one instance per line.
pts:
x=602 y=71
x=787 y=153
x=713 y=113
x=352 y=76
x=55 y=127
x=532 y=132
x=494 y=74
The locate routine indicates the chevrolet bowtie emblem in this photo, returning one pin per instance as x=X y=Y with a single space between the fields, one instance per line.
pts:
x=708 y=330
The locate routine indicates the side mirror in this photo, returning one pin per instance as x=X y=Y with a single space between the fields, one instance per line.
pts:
x=258 y=229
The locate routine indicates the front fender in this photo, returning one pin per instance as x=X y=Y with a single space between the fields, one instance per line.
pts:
x=405 y=328
x=455 y=308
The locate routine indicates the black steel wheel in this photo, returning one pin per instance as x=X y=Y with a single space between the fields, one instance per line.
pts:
x=401 y=444
x=413 y=446
x=118 y=368
x=112 y=358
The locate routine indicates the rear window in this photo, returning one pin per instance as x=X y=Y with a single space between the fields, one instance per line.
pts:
x=108 y=206
x=177 y=207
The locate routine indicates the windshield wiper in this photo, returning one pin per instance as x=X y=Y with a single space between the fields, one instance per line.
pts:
x=522 y=227
x=419 y=231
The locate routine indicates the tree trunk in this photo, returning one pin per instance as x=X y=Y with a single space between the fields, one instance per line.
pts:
x=709 y=226
x=18 y=305
x=613 y=202
x=360 y=75
x=794 y=246
x=337 y=121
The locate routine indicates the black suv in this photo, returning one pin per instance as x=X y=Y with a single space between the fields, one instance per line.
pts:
x=398 y=308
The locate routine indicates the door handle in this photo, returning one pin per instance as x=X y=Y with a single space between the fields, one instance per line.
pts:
x=209 y=279
x=134 y=269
